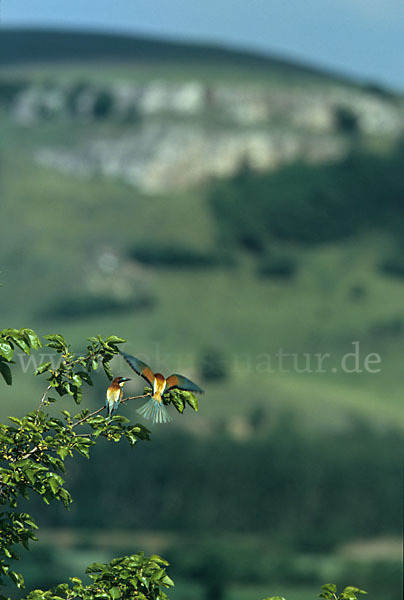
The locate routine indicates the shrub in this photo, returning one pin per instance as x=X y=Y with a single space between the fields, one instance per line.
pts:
x=82 y=306
x=346 y=121
x=281 y=266
x=393 y=266
x=311 y=204
x=169 y=256
x=103 y=104
x=9 y=89
x=213 y=365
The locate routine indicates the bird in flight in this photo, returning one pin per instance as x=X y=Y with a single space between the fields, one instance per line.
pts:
x=114 y=394
x=154 y=408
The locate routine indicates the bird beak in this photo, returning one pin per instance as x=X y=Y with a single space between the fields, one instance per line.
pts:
x=124 y=379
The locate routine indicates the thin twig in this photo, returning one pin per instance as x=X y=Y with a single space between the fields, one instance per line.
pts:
x=88 y=416
x=42 y=402
x=133 y=398
x=102 y=408
x=35 y=448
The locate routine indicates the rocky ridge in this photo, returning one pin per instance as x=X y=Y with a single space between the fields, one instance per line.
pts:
x=171 y=135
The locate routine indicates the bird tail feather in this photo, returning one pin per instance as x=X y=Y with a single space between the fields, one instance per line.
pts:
x=155 y=411
x=111 y=408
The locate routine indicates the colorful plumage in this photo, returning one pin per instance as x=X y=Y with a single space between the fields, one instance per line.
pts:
x=154 y=408
x=114 y=394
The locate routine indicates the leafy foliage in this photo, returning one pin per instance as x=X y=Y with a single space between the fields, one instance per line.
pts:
x=24 y=339
x=213 y=365
x=178 y=398
x=346 y=121
x=278 y=266
x=265 y=502
x=393 y=265
x=329 y=591
x=349 y=593
x=33 y=451
x=134 y=576
x=311 y=205
x=168 y=256
x=80 y=306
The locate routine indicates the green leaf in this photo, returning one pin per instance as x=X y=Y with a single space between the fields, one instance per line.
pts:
x=85 y=377
x=62 y=588
x=22 y=343
x=54 y=484
x=114 y=339
x=354 y=590
x=77 y=379
x=177 y=401
x=57 y=342
x=120 y=419
x=63 y=452
x=30 y=475
x=96 y=568
x=6 y=372
x=65 y=497
x=107 y=370
x=42 y=368
x=329 y=587
x=6 y=350
x=17 y=578
x=167 y=581
x=115 y=593
x=157 y=559
x=191 y=399
x=83 y=446
x=34 y=340
x=57 y=337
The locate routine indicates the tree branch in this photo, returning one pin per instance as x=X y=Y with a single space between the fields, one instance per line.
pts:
x=88 y=416
x=133 y=398
x=95 y=412
x=84 y=419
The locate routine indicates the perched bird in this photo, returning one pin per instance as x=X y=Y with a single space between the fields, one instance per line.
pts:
x=154 y=408
x=114 y=394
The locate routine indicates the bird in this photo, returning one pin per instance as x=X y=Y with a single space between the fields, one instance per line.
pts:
x=154 y=408
x=114 y=394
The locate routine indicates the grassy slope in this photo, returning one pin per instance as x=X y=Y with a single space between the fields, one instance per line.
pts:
x=59 y=225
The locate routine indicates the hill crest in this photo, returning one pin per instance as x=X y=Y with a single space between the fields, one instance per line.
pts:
x=23 y=45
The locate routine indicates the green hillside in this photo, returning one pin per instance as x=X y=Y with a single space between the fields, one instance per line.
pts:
x=240 y=281
x=241 y=293
x=60 y=227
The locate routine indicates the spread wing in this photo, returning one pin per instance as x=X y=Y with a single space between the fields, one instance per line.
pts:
x=139 y=367
x=182 y=383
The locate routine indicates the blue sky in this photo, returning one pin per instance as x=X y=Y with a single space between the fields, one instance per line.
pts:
x=359 y=37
